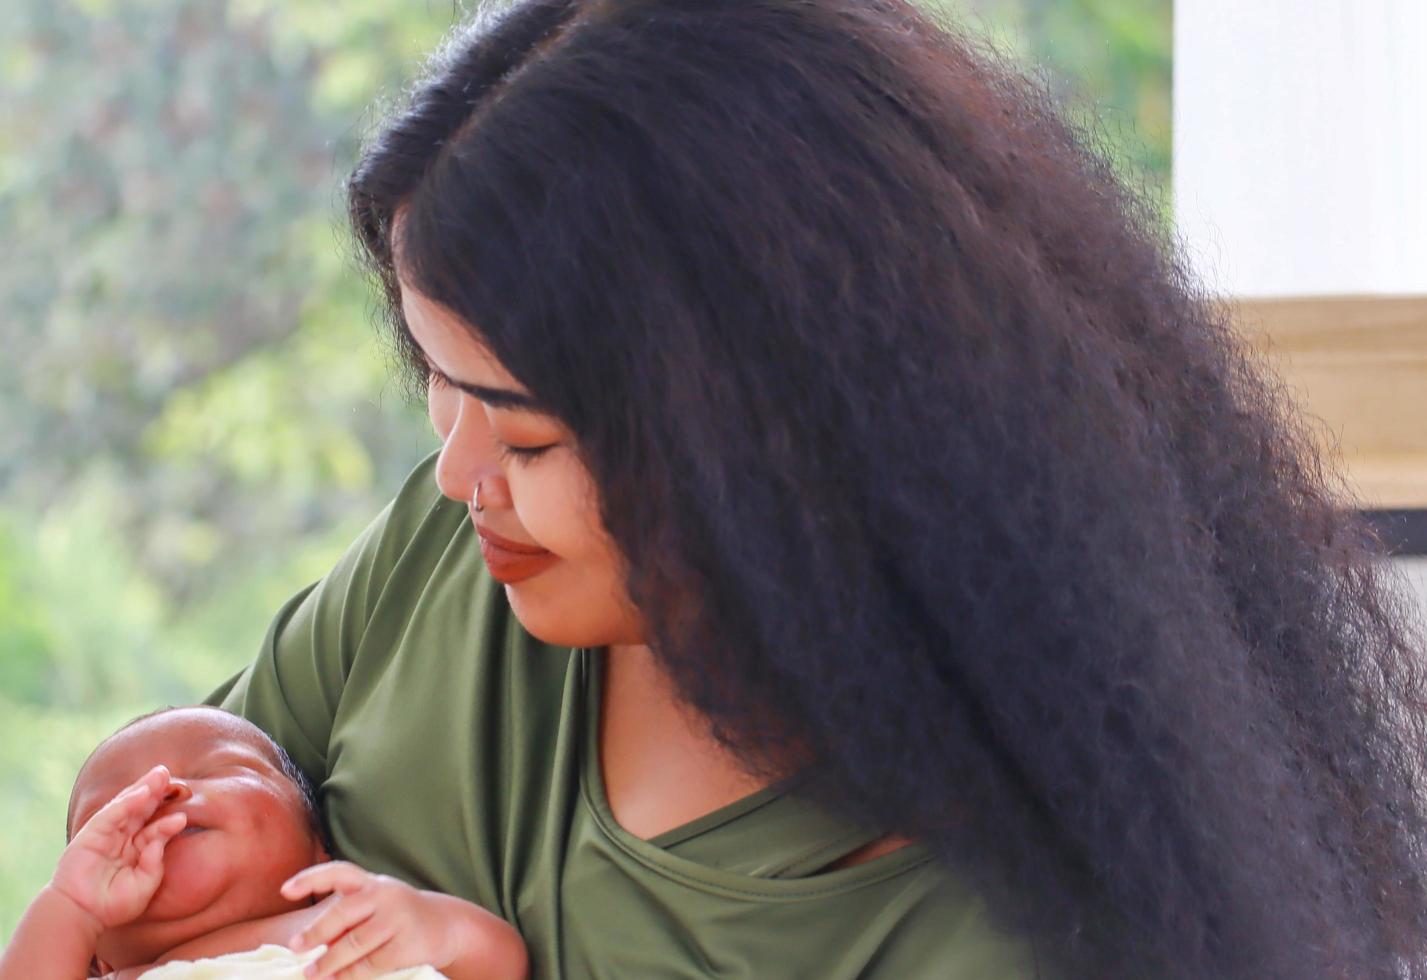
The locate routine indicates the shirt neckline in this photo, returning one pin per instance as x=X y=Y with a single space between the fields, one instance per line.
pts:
x=590 y=667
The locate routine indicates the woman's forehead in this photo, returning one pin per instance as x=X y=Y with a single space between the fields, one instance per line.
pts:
x=451 y=347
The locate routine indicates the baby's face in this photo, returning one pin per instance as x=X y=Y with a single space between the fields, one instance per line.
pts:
x=247 y=829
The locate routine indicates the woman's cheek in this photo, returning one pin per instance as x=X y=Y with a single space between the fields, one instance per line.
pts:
x=558 y=509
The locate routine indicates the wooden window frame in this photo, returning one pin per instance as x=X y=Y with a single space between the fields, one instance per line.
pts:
x=1359 y=364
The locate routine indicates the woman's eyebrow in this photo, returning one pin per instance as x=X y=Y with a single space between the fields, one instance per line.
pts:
x=499 y=397
x=494 y=397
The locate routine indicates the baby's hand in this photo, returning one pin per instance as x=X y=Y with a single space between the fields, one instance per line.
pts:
x=375 y=924
x=115 y=863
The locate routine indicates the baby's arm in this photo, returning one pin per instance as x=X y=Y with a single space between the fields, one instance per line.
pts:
x=105 y=878
x=377 y=924
x=54 y=940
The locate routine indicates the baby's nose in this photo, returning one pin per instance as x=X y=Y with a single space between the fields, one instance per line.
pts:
x=177 y=792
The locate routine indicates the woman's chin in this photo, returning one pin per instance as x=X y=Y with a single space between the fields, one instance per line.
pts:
x=563 y=619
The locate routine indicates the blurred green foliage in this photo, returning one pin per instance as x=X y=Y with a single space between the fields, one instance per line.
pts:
x=196 y=414
x=1108 y=63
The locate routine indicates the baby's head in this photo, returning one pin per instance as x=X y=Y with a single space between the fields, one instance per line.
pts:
x=252 y=824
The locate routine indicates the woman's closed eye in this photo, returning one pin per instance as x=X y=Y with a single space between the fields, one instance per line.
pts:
x=522 y=455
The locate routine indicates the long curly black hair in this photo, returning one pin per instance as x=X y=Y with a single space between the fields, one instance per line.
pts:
x=939 y=477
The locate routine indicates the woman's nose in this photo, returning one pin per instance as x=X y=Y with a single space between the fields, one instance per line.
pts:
x=468 y=457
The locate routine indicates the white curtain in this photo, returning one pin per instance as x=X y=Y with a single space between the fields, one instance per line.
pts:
x=1300 y=144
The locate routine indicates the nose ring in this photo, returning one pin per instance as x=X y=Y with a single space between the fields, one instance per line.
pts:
x=476 y=499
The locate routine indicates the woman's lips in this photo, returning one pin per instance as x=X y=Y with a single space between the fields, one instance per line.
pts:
x=509 y=545
x=510 y=562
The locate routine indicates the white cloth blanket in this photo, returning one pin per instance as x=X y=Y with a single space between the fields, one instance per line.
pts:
x=265 y=963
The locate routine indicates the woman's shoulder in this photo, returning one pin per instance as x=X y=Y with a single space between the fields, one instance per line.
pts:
x=426 y=587
x=407 y=565
x=418 y=519
x=409 y=600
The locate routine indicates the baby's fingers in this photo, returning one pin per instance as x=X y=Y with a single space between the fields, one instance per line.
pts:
x=334 y=876
x=152 y=840
x=128 y=811
x=341 y=917
x=161 y=829
x=354 y=954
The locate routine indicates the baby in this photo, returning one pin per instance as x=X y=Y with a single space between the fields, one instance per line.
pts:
x=193 y=835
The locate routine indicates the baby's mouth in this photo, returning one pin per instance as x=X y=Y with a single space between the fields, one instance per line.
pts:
x=186 y=831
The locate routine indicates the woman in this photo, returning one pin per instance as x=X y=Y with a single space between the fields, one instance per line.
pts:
x=948 y=593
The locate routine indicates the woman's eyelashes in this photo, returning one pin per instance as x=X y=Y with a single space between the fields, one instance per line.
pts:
x=521 y=454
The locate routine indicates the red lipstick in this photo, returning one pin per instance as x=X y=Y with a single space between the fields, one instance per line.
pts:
x=509 y=561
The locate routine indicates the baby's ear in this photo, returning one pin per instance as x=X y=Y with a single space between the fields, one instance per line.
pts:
x=319 y=853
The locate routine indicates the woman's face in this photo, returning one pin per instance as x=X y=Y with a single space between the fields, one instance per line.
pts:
x=539 y=523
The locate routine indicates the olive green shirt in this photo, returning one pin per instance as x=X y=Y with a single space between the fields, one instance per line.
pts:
x=456 y=752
